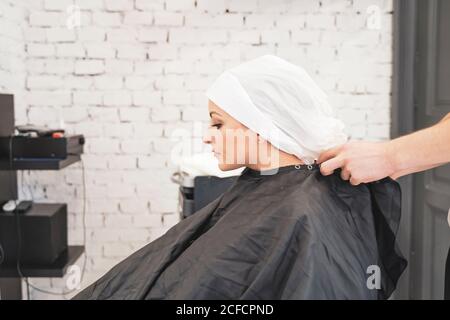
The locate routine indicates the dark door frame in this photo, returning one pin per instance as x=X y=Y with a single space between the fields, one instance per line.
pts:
x=402 y=120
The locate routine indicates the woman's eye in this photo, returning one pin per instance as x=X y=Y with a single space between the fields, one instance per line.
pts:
x=217 y=126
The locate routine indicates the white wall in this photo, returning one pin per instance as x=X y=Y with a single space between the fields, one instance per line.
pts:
x=134 y=71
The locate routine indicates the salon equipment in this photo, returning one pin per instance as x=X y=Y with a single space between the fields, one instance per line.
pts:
x=38 y=130
x=9 y=206
x=24 y=147
x=43 y=234
x=201 y=181
x=23 y=206
x=196 y=192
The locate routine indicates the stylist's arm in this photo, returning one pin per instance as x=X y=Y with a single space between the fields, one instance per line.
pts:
x=363 y=162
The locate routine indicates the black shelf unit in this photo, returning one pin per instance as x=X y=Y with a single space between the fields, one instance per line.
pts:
x=39 y=164
x=55 y=270
x=10 y=281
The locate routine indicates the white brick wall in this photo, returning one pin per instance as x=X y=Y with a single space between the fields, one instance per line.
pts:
x=135 y=70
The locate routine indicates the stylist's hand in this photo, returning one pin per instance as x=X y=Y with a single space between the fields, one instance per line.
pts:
x=361 y=162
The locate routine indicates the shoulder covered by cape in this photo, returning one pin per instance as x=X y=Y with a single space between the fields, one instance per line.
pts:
x=292 y=235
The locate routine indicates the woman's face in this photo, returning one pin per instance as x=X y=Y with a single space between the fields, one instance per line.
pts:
x=233 y=144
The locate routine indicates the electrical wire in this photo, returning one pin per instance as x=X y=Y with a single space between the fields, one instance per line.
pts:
x=19 y=235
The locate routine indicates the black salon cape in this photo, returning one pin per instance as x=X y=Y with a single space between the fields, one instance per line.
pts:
x=292 y=235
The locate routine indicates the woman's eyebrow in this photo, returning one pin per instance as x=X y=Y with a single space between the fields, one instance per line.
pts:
x=210 y=114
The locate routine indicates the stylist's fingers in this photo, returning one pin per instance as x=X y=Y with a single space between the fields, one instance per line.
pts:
x=328 y=167
x=328 y=154
x=354 y=181
x=345 y=174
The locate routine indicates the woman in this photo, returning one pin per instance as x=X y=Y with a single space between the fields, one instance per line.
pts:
x=282 y=231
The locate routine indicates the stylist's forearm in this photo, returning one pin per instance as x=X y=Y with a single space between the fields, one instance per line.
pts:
x=402 y=173
x=426 y=148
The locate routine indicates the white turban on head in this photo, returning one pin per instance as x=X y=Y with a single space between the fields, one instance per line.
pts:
x=279 y=101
